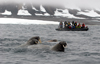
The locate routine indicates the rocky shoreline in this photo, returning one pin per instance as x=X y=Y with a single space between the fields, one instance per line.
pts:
x=88 y=21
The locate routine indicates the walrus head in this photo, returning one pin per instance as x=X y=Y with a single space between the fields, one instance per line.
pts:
x=34 y=40
x=63 y=43
x=60 y=46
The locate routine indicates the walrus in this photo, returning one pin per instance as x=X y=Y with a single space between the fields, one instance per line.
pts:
x=34 y=40
x=54 y=40
x=60 y=46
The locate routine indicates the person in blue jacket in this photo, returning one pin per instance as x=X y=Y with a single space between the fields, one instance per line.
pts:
x=61 y=24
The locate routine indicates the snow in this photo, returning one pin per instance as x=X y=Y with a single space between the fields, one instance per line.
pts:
x=91 y=13
x=24 y=21
x=42 y=8
x=23 y=12
x=6 y=13
x=65 y=13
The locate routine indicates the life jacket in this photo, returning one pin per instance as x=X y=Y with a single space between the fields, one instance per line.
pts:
x=69 y=24
x=79 y=25
x=75 y=24
x=70 y=27
x=83 y=25
x=61 y=23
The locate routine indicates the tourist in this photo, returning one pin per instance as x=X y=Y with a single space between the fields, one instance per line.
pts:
x=61 y=24
x=65 y=24
x=75 y=24
x=83 y=25
x=79 y=25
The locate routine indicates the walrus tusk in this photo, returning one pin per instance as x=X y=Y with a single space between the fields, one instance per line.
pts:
x=64 y=46
x=40 y=40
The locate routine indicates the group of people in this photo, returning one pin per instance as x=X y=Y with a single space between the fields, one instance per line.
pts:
x=71 y=25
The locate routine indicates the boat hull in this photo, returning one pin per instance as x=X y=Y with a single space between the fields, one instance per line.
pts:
x=75 y=29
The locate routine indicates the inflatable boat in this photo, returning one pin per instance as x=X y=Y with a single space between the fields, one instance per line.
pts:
x=75 y=29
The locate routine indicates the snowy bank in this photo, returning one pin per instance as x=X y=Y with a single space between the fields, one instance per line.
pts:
x=24 y=21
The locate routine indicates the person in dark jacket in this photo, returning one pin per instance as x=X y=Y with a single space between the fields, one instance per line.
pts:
x=75 y=24
x=69 y=24
x=65 y=24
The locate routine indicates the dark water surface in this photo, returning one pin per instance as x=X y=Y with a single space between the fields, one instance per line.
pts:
x=83 y=46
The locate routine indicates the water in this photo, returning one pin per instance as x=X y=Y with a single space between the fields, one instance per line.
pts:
x=83 y=46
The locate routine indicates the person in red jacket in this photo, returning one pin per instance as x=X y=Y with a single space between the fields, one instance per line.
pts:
x=83 y=25
x=69 y=27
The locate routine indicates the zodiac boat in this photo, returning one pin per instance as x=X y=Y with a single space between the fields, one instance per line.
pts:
x=75 y=29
